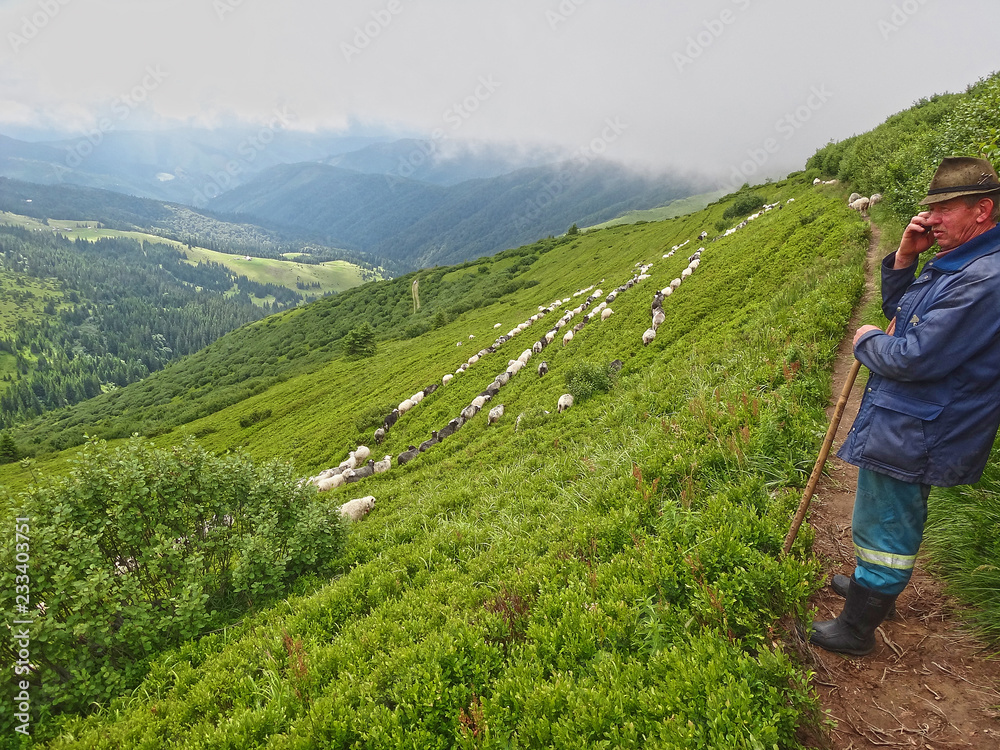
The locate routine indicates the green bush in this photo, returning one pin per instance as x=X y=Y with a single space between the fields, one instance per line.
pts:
x=744 y=204
x=586 y=379
x=143 y=548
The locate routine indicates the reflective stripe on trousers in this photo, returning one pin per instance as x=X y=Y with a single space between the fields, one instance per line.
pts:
x=888 y=525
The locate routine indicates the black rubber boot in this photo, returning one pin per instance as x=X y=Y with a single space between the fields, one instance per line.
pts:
x=853 y=631
x=840 y=584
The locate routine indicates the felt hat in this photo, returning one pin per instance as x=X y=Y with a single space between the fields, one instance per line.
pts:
x=961 y=175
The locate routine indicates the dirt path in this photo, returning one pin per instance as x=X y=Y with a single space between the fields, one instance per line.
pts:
x=929 y=683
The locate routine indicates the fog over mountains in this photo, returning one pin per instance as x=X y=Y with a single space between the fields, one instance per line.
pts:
x=414 y=202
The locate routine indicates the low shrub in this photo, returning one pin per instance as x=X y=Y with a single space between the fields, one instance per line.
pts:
x=143 y=548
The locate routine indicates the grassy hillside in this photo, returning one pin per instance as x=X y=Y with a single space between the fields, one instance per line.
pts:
x=313 y=279
x=608 y=576
x=672 y=210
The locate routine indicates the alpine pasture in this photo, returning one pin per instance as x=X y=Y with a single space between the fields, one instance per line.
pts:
x=609 y=576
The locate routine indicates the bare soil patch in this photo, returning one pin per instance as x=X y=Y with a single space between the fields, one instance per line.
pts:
x=929 y=683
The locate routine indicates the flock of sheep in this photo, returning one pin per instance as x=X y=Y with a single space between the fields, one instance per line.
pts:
x=861 y=204
x=359 y=463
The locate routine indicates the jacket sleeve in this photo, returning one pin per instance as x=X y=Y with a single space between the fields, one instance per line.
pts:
x=895 y=282
x=952 y=328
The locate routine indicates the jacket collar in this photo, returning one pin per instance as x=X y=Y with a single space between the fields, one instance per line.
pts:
x=984 y=244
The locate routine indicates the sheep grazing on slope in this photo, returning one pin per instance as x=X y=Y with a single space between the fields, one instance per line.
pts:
x=361 y=453
x=515 y=367
x=331 y=482
x=496 y=325
x=407 y=455
x=480 y=401
x=616 y=365
x=381 y=467
x=451 y=428
x=875 y=200
x=658 y=318
x=567 y=338
x=390 y=420
x=495 y=413
x=686 y=272
x=469 y=412
x=675 y=283
x=360 y=473
x=543 y=368
x=355 y=510
x=565 y=401
x=351 y=461
x=405 y=406
x=447 y=379
x=434 y=440
x=854 y=197
x=606 y=313
x=492 y=389
x=379 y=435
x=648 y=336
x=430 y=389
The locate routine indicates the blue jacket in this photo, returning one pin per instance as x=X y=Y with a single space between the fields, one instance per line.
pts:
x=931 y=407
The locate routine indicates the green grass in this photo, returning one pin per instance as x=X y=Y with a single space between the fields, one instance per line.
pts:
x=332 y=276
x=672 y=210
x=609 y=576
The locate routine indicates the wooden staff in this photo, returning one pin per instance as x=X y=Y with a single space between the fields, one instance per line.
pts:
x=824 y=452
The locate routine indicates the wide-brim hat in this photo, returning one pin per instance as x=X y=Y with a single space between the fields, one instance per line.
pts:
x=961 y=175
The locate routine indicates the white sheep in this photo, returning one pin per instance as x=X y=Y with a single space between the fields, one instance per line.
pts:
x=658 y=318
x=473 y=359
x=404 y=406
x=350 y=463
x=565 y=401
x=648 y=336
x=525 y=356
x=355 y=510
x=496 y=325
x=667 y=291
x=447 y=379
x=875 y=200
x=331 y=482
x=675 y=283
x=536 y=348
x=606 y=313
x=472 y=336
x=567 y=338
x=495 y=413
x=383 y=466
x=362 y=453
x=550 y=336
x=854 y=197
x=417 y=397
x=686 y=272
x=479 y=402
x=515 y=368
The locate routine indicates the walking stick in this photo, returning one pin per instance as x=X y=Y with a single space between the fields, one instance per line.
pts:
x=824 y=452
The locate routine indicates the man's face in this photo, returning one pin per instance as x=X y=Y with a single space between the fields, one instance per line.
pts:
x=953 y=223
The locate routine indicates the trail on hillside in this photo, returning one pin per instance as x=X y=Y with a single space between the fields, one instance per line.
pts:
x=929 y=683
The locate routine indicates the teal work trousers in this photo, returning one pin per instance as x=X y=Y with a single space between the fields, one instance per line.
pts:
x=888 y=525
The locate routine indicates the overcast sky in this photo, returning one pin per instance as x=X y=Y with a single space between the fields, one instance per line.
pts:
x=717 y=86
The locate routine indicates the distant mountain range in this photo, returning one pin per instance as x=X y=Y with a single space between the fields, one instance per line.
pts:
x=413 y=203
x=421 y=224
